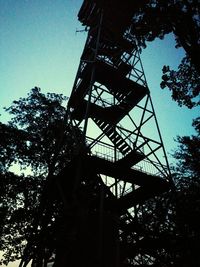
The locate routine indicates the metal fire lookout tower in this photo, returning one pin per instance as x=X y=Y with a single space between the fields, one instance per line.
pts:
x=124 y=162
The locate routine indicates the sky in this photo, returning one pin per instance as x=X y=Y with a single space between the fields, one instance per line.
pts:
x=41 y=43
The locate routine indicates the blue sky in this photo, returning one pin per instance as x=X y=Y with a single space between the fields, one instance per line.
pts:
x=39 y=46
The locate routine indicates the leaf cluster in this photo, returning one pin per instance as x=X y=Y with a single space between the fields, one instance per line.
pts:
x=154 y=19
x=19 y=199
x=39 y=140
x=184 y=83
x=38 y=120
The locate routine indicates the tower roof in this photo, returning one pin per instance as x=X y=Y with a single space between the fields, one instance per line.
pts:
x=116 y=14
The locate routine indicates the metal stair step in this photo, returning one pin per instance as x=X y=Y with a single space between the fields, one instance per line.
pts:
x=123 y=146
x=104 y=125
x=113 y=136
x=126 y=150
x=119 y=142
x=108 y=129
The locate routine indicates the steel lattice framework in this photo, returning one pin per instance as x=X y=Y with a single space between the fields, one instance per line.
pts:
x=123 y=162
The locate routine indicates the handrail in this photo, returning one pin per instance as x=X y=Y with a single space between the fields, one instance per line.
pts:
x=106 y=151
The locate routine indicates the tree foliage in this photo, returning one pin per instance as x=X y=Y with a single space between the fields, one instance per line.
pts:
x=40 y=141
x=184 y=83
x=155 y=19
x=188 y=154
x=39 y=123
x=19 y=200
x=170 y=222
x=188 y=196
x=12 y=140
x=170 y=233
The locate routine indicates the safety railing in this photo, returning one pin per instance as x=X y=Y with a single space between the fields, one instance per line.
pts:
x=107 y=151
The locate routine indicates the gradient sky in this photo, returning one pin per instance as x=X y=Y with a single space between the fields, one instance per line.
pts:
x=40 y=46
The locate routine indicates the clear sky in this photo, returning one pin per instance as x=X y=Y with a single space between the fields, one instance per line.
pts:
x=39 y=46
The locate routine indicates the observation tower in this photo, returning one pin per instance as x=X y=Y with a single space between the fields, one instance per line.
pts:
x=122 y=162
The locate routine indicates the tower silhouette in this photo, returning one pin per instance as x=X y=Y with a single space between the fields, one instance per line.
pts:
x=121 y=162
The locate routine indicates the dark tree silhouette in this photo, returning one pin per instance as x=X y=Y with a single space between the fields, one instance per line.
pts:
x=170 y=222
x=41 y=119
x=188 y=196
x=38 y=141
x=182 y=18
x=188 y=154
x=184 y=83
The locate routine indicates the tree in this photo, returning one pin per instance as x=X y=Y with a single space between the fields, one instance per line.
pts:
x=155 y=19
x=184 y=83
x=187 y=155
x=19 y=200
x=40 y=141
x=170 y=223
x=11 y=139
x=188 y=195
x=41 y=119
